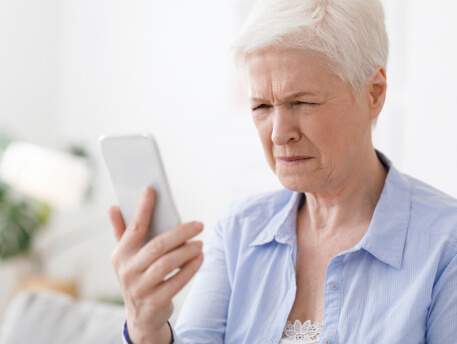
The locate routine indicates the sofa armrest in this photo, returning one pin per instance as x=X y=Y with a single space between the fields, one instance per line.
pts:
x=53 y=318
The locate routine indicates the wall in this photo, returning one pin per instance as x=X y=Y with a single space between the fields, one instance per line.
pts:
x=29 y=54
x=149 y=66
x=430 y=112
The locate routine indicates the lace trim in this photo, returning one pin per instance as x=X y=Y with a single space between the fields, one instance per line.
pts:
x=305 y=333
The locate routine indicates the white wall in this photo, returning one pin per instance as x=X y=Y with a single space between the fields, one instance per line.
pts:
x=155 y=66
x=28 y=58
x=29 y=50
x=417 y=127
x=430 y=139
x=73 y=70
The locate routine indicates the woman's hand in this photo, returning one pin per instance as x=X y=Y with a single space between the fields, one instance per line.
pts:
x=141 y=270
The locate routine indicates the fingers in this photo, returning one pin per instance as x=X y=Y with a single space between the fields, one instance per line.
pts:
x=168 y=263
x=117 y=222
x=137 y=229
x=168 y=289
x=165 y=243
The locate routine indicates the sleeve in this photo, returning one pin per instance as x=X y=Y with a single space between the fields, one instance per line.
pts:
x=442 y=320
x=203 y=317
x=126 y=337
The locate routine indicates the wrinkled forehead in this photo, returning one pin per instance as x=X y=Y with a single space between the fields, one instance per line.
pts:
x=287 y=70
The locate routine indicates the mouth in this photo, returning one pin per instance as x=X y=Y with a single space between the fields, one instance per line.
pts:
x=293 y=160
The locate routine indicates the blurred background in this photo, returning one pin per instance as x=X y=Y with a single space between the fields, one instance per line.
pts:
x=71 y=71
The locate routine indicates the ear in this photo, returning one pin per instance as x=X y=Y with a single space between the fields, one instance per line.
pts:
x=377 y=92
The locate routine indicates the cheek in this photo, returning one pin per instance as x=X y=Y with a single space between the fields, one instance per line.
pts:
x=325 y=133
x=339 y=136
x=320 y=128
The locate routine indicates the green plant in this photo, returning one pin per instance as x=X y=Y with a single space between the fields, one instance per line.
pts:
x=20 y=219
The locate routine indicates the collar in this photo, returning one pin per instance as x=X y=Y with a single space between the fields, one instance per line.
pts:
x=282 y=225
x=386 y=235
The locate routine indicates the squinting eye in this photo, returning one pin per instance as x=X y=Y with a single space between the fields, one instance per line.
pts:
x=305 y=103
x=260 y=107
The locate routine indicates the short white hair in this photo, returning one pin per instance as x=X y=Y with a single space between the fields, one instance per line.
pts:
x=349 y=34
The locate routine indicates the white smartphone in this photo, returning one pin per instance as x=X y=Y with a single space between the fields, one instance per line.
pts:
x=134 y=163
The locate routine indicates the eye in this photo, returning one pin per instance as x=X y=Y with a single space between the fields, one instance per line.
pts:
x=261 y=106
x=305 y=103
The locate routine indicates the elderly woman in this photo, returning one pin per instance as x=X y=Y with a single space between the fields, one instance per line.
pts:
x=351 y=251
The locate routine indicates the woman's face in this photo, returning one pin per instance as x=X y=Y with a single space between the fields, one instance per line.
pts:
x=314 y=132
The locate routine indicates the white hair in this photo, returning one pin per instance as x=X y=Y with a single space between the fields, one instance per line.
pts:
x=349 y=34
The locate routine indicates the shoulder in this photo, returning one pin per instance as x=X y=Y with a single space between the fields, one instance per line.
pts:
x=256 y=215
x=432 y=210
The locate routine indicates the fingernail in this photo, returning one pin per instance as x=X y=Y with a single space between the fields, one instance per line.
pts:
x=198 y=225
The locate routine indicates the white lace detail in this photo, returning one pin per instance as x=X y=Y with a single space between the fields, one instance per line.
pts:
x=305 y=333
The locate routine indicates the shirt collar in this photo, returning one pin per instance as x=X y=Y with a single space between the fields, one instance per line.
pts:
x=281 y=226
x=386 y=235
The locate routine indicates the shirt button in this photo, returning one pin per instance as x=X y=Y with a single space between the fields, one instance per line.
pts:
x=333 y=286
x=327 y=342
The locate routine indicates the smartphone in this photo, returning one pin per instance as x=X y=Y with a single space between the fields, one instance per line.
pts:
x=134 y=163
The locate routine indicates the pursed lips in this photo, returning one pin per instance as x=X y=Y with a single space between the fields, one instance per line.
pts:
x=293 y=160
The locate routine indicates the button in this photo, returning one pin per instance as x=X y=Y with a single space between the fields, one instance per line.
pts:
x=333 y=286
x=327 y=342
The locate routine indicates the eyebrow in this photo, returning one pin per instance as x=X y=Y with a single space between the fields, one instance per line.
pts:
x=291 y=97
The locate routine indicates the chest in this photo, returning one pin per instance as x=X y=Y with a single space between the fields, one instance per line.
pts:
x=314 y=256
x=371 y=300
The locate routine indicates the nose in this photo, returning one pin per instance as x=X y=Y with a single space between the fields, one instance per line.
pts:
x=285 y=127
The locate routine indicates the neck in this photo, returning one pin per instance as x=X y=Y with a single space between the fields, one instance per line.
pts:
x=351 y=203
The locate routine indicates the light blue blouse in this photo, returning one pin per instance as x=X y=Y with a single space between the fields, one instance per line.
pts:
x=397 y=285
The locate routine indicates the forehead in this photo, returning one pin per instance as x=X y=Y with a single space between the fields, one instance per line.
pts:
x=280 y=71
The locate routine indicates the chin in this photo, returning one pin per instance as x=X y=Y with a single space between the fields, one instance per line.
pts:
x=303 y=180
x=298 y=184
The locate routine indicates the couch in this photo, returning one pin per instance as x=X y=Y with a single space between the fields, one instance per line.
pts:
x=54 y=318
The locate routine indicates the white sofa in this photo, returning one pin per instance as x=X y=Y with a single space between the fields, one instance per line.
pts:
x=53 y=318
